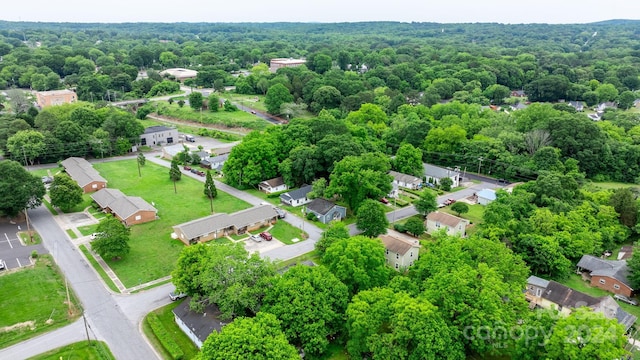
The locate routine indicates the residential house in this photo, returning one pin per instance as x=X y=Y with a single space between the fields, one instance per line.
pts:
x=434 y=174
x=82 y=172
x=180 y=74
x=486 y=196
x=552 y=295
x=400 y=253
x=130 y=210
x=517 y=93
x=220 y=225
x=578 y=105
x=278 y=63
x=55 y=97
x=610 y=275
x=158 y=135
x=518 y=106
x=273 y=185
x=406 y=181
x=195 y=325
x=106 y=196
x=326 y=211
x=214 y=162
x=454 y=225
x=297 y=197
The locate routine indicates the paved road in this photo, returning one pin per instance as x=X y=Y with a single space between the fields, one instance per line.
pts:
x=51 y=340
x=104 y=314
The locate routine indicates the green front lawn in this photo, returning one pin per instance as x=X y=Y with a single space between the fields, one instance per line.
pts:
x=286 y=232
x=94 y=263
x=474 y=215
x=35 y=301
x=95 y=350
x=229 y=119
x=167 y=319
x=153 y=252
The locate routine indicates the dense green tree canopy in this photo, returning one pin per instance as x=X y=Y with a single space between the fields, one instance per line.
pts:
x=19 y=189
x=65 y=192
x=112 y=239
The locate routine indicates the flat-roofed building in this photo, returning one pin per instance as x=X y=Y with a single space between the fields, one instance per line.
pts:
x=180 y=74
x=278 y=63
x=55 y=97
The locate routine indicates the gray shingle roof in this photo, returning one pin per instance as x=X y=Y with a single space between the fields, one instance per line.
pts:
x=155 y=129
x=106 y=196
x=298 y=193
x=129 y=205
x=438 y=172
x=405 y=178
x=200 y=324
x=274 y=182
x=539 y=282
x=217 y=222
x=320 y=206
x=616 y=269
x=81 y=171
x=567 y=297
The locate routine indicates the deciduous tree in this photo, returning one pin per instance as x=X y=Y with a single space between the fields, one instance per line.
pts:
x=65 y=192
x=427 y=202
x=258 y=337
x=460 y=208
x=277 y=95
x=19 y=189
x=408 y=160
x=371 y=218
x=112 y=239
x=310 y=302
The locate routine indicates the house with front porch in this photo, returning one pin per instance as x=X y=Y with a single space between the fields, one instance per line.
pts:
x=273 y=185
x=610 y=275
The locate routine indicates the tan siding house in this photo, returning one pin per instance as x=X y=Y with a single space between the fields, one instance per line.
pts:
x=454 y=225
x=400 y=253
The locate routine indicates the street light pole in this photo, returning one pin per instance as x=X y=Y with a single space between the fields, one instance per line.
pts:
x=479 y=164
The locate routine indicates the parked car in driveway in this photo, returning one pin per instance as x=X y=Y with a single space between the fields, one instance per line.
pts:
x=625 y=299
x=256 y=238
x=266 y=235
x=187 y=168
x=449 y=201
x=281 y=213
x=384 y=200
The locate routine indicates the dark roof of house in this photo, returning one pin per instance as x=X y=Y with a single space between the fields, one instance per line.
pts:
x=320 y=206
x=253 y=215
x=615 y=269
x=298 y=193
x=156 y=128
x=274 y=182
x=405 y=178
x=129 y=205
x=106 y=196
x=444 y=218
x=612 y=310
x=201 y=325
x=81 y=171
x=567 y=297
x=398 y=246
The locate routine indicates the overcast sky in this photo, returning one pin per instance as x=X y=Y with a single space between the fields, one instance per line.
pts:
x=443 y=11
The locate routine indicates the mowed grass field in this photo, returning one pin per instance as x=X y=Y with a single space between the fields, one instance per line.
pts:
x=153 y=253
x=34 y=301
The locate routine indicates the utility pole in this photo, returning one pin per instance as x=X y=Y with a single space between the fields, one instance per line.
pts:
x=479 y=164
x=24 y=153
x=26 y=216
x=85 y=328
x=66 y=284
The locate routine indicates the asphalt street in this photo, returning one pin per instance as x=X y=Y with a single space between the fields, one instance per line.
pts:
x=106 y=319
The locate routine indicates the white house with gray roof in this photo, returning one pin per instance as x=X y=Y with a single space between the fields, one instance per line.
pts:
x=434 y=174
x=297 y=197
x=405 y=180
x=219 y=225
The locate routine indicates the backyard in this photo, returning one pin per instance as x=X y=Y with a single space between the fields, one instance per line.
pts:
x=228 y=119
x=35 y=302
x=153 y=252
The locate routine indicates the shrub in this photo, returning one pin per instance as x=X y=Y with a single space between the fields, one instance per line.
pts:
x=34 y=254
x=311 y=216
x=399 y=228
x=164 y=337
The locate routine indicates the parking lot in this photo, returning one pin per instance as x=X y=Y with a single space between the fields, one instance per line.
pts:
x=12 y=253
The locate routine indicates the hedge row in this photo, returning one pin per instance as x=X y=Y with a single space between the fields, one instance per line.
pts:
x=217 y=134
x=163 y=336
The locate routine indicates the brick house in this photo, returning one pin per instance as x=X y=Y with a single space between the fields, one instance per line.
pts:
x=400 y=253
x=130 y=210
x=55 y=97
x=454 y=225
x=83 y=173
x=610 y=275
x=219 y=225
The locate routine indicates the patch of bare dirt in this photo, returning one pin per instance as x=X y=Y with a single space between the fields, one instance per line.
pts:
x=31 y=325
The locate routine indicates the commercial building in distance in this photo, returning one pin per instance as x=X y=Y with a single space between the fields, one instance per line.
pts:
x=278 y=63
